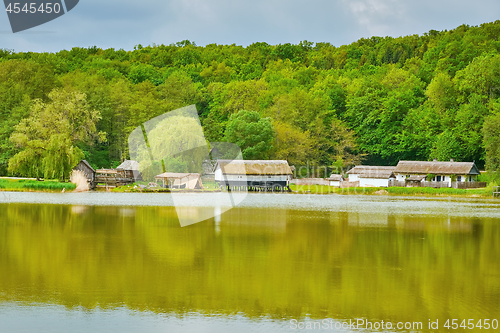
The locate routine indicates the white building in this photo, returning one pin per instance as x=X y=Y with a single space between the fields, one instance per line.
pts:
x=441 y=172
x=335 y=180
x=371 y=176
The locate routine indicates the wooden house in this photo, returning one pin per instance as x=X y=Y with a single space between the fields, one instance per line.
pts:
x=437 y=174
x=191 y=181
x=253 y=174
x=371 y=176
x=88 y=171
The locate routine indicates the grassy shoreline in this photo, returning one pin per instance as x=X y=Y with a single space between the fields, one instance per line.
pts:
x=33 y=185
x=400 y=191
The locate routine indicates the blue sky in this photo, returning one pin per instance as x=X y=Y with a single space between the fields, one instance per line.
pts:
x=125 y=23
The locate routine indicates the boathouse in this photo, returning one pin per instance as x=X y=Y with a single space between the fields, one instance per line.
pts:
x=253 y=174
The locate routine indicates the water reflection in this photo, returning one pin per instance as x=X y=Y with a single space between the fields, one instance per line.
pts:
x=273 y=263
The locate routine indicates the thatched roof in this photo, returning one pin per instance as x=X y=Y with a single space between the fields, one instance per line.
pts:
x=417 y=178
x=254 y=167
x=336 y=178
x=372 y=171
x=129 y=165
x=437 y=168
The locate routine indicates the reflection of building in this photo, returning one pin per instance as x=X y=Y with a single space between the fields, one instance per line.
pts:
x=371 y=176
x=253 y=174
x=189 y=181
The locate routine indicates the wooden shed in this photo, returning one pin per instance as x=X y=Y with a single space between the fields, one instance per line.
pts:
x=129 y=169
x=89 y=172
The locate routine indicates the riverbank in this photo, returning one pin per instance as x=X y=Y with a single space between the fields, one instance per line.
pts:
x=33 y=185
x=400 y=191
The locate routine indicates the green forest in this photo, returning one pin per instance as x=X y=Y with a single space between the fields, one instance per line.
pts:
x=375 y=101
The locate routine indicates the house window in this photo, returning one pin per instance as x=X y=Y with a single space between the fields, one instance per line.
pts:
x=438 y=178
x=444 y=178
x=459 y=178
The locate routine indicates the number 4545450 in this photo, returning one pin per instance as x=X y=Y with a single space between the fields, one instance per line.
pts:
x=485 y=324
x=33 y=8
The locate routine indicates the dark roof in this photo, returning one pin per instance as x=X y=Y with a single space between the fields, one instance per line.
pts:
x=372 y=171
x=87 y=165
x=437 y=168
x=254 y=167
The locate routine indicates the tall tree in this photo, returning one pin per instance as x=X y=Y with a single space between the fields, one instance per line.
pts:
x=49 y=137
x=251 y=133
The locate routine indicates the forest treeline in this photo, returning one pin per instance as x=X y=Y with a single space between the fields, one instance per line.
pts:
x=376 y=101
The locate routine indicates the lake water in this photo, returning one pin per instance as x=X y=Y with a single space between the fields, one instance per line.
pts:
x=106 y=262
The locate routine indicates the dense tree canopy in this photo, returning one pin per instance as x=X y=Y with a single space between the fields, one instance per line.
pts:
x=379 y=99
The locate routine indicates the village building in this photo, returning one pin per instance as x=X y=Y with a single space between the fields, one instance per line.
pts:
x=371 y=176
x=87 y=170
x=439 y=174
x=253 y=174
x=190 y=181
x=129 y=169
x=335 y=180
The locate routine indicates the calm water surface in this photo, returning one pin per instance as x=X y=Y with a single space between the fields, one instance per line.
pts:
x=103 y=262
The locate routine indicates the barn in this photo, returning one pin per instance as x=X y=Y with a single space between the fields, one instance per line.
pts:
x=253 y=174
x=88 y=171
x=371 y=176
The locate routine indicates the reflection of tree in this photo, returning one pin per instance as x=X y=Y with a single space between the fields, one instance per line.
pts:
x=271 y=262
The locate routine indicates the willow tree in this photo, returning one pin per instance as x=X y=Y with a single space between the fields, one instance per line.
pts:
x=50 y=136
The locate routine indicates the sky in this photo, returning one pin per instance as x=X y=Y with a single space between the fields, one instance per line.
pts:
x=123 y=24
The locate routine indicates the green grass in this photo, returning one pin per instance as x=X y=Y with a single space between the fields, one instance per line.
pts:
x=323 y=189
x=34 y=185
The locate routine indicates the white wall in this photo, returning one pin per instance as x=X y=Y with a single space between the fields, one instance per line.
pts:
x=373 y=182
x=353 y=178
x=334 y=183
